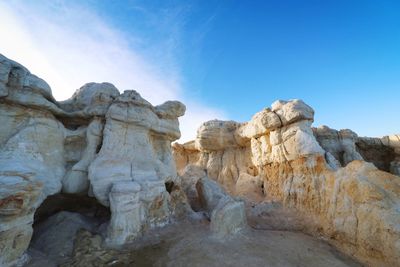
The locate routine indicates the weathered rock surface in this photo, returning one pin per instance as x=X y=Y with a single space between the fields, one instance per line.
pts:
x=92 y=99
x=136 y=146
x=228 y=218
x=319 y=172
x=393 y=141
x=227 y=215
x=114 y=147
x=31 y=155
x=134 y=162
x=383 y=152
x=249 y=186
x=126 y=224
x=216 y=135
x=76 y=180
x=115 y=150
x=339 y=144
x=191 y=174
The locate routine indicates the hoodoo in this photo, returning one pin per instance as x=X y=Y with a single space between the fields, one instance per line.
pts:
x=331 y=177
x=99 y=143
x=97 y=178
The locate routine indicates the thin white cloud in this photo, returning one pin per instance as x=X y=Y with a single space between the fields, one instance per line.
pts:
x=69 y=45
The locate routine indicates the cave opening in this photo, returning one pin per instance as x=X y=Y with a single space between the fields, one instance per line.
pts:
x=168 y=186
x=82 y=204
x=58 y=222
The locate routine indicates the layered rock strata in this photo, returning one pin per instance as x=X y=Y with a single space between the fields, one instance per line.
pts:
x=320 y=172
x=114 y=147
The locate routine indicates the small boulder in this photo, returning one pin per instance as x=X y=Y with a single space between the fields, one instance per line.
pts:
x=210 y=193
x=227 y=215
x=228 y=218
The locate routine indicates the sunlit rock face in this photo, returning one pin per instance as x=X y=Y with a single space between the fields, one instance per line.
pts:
x=32 y=160
x=134 y=162
x=321 y=172
x=114 y=147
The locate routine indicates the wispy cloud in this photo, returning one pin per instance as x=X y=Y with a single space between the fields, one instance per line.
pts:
x=68 y=44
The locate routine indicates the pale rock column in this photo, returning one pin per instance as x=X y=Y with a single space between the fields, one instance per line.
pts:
x=125 y=206
x=76 y=180
x=136 y=151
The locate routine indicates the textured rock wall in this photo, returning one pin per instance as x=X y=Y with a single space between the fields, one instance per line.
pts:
x=31 y=154
x=320 y=172
x=340 y=146
x=383 y=152
x=345 y=146
x=223 y=164
x=114 y=147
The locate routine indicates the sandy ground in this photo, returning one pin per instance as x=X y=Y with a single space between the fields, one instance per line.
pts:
x=191 y=244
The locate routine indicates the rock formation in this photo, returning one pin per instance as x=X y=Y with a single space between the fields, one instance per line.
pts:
x=227 y=215
x=109 y=156
x=114 y=147
x=345 y=146
x=383 y=152
x=339 y=146
x=320 y=172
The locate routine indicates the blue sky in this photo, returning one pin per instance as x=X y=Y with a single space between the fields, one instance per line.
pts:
x=341 y=57
x=224 y=59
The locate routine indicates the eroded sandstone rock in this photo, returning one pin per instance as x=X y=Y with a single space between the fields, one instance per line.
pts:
x=340 y=144
x=76 y=180
x=249 y=186
x=128 y=212
x=92 y=99
x=31 y=155
x=372 y=149
x=191 y=174
x=114 y=147
x=228 y=218
x=393 y=141
x=319 y=172
x=226 y=214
